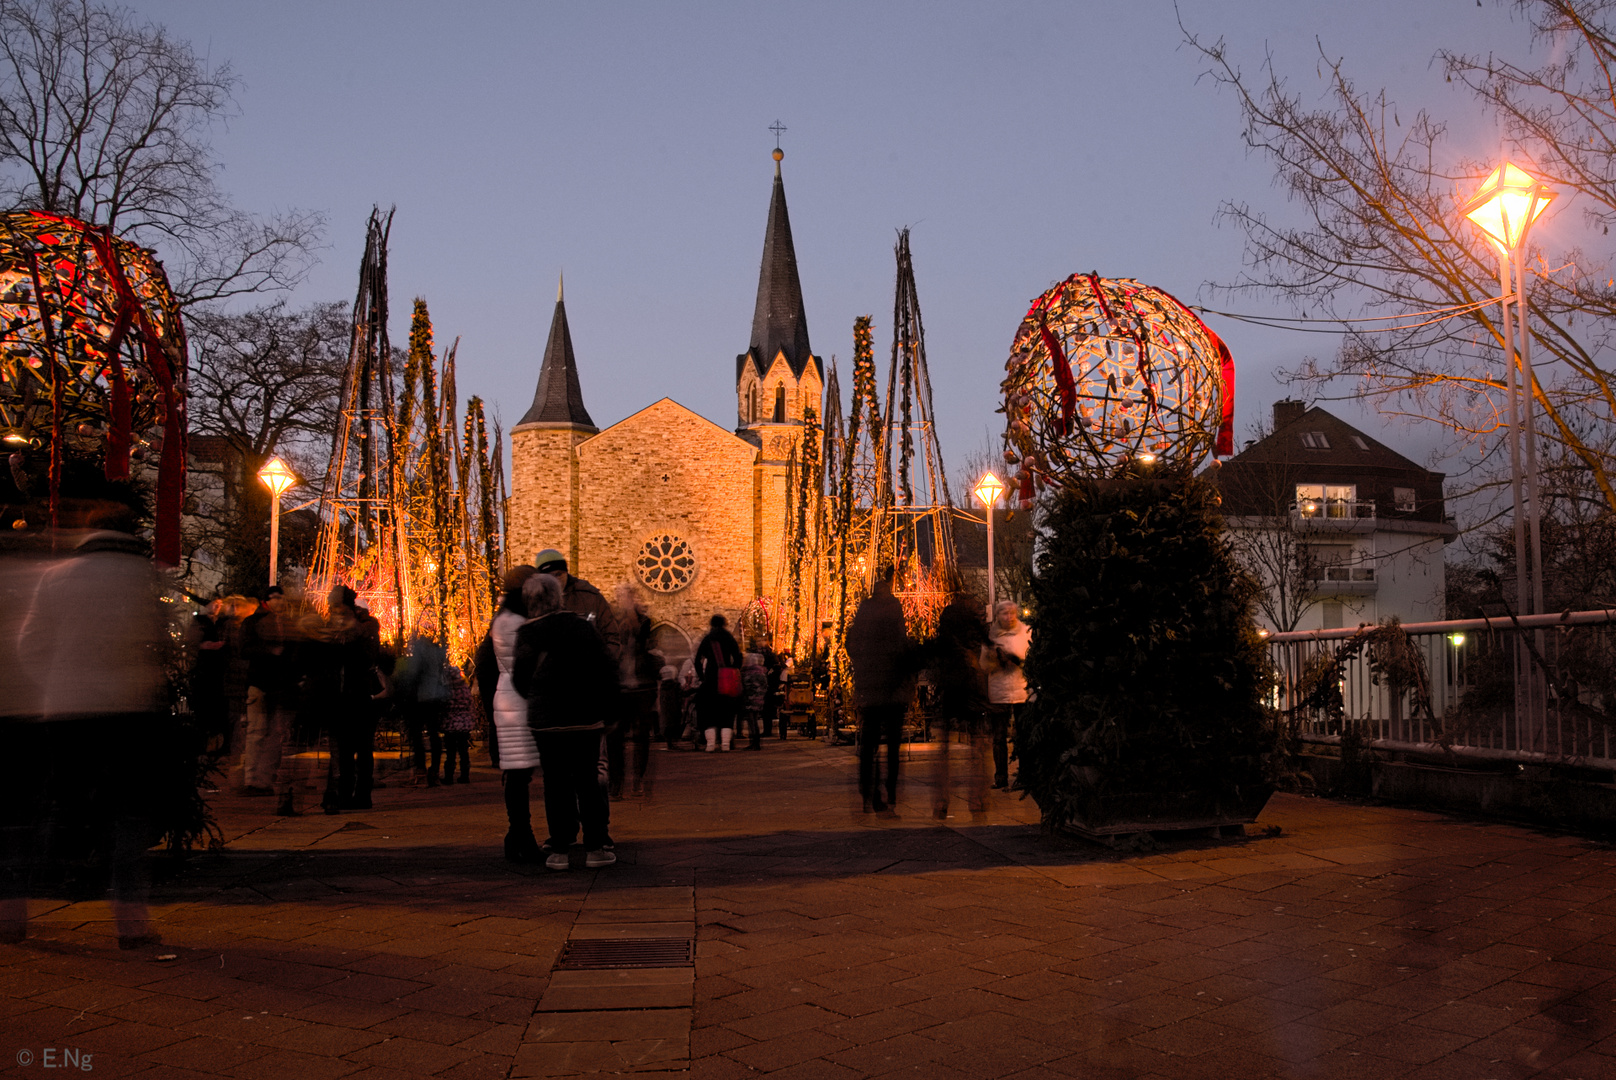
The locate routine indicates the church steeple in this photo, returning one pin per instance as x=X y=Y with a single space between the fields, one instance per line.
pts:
x=779 y=324
x=559 y=399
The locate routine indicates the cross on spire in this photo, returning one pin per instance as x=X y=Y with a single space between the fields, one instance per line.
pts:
x=779 y=129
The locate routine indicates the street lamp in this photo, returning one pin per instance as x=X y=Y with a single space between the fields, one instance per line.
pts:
x=1503 y=208
x=277 y=478
x=988 y=489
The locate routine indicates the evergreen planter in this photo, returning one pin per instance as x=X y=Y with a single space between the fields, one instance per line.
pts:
x=1099 y=814
x=1148 y=670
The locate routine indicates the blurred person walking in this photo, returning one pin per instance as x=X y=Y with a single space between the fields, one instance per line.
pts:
x=354 y=684
x=962 y=698
x=639 y=674
x=879 y=646
x=459 y=720
x=424 y=697
x=210 y=659
x=566 y=672
x=1003 y=657
x=270 y=689
x=718 y=695
x=754 y=695
x=90 y=754
x=512 y=748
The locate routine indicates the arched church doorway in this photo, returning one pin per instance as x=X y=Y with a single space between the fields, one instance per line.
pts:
x=672 y=642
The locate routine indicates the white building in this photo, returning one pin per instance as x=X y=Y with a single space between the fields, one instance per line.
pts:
x=1339 y=528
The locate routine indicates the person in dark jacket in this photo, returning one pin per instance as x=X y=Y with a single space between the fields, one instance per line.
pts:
x=569 y=679
x=962 y=696
x=265 y=637
x=882 y=654
x=716 y=709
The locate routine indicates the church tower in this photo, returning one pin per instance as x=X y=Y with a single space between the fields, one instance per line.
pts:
x=776 y=381
x=544 y=464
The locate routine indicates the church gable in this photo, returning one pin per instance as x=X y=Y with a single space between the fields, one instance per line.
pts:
x=667 y=476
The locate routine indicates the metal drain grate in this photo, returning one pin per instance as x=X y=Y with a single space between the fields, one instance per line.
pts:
x=602 y=954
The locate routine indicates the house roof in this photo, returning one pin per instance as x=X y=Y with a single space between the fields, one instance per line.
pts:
x=559 y=399
x=1313 y=446
x=1295 y=442
x=779 y=323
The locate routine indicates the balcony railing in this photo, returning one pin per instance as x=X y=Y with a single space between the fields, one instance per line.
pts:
x=1540 y=688
x=1333 y=509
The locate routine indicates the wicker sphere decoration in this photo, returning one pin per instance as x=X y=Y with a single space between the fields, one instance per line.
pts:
x=1108 y=374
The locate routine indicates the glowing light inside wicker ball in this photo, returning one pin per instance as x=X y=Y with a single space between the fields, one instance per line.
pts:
x=1146 y=380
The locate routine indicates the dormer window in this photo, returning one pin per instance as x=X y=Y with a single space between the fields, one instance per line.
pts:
x=1403 y=499
x=1358 y=441
x=1315 y=440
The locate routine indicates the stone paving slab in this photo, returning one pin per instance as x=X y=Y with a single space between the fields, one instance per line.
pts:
x=1360 y=941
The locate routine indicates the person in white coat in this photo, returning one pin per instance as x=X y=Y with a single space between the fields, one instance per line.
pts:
x=518 y=754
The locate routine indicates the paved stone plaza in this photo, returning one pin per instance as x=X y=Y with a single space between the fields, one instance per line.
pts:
x=1357 y=942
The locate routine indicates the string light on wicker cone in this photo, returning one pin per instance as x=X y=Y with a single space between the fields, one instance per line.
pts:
x=1506 y=205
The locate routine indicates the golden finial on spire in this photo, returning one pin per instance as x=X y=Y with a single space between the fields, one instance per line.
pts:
x=561 y=281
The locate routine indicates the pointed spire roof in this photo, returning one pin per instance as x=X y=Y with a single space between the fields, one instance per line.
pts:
x=559 y=399
x=779 y=323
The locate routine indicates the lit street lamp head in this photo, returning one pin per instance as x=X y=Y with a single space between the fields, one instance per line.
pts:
x=988 y=489
x=1506 y=204
x=276 y=476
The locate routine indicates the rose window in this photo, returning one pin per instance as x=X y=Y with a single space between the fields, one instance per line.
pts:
x=666 y=563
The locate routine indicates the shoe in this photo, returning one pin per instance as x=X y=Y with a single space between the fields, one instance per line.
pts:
x=753 y=746
x=465 y=778
x=358 y=804
x=600 y=858
x=257 y=789
x=1001 y=785
x=286 y=808
x=448 y=779
x=331 y=808
x=558 y=860
x=522 y=848
x=431 y=781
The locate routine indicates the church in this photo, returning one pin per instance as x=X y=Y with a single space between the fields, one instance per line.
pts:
x=691 y=514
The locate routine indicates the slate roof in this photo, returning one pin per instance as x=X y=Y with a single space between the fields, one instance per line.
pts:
x=1317 y=447
x=559 y=399
x=779 y=323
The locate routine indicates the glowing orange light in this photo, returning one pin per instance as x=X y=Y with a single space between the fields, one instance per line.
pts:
x=276 y=476
x=1506 y=204
x=988 y=489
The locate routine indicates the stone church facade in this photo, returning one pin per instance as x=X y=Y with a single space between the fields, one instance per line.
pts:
x=689 y=513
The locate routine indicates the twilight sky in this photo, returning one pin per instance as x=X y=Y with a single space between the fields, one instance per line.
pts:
x=628 y=144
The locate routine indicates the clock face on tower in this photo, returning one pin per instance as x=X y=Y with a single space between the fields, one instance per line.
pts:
x=780 y=446
x=666 y=563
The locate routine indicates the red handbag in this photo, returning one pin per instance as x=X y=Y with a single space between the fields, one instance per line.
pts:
x=729 y=678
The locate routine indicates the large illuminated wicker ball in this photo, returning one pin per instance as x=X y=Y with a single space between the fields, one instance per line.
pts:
x=1106 y=374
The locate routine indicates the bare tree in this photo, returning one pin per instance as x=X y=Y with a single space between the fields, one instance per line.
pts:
x=265 y=382
x=106 y=118
x=1381 y=234
x=1257 y=507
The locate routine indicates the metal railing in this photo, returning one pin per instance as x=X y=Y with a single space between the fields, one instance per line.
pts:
x=1537 y=688
x=1324 y=510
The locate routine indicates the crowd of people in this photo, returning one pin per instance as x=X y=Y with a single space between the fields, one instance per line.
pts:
x=291 y=694
x=974 y=668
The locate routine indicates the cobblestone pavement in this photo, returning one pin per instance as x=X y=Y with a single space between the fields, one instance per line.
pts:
x=1357 y=942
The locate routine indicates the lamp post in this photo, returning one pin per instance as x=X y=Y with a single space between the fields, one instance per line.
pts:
x=1503 y=208
x=277 y=478
x=988 y=489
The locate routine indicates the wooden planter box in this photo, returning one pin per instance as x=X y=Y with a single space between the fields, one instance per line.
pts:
x=1126 y=814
